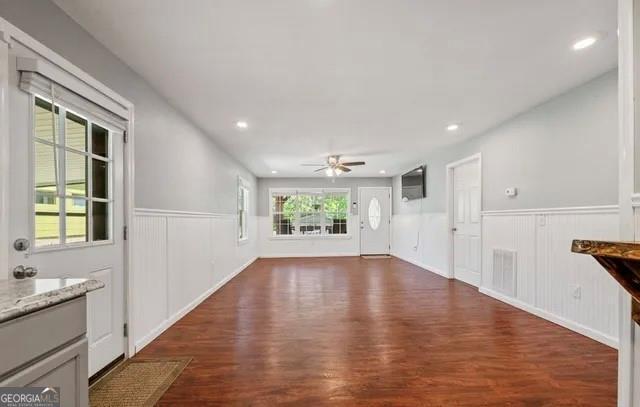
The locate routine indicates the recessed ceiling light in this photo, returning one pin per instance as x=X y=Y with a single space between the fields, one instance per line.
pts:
x=453 y=127
x=383 y=172
x=242 y=124
x=584 y=43
x=274 y=171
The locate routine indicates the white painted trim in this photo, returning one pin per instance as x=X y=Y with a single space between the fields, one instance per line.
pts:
x=4 y=158
x=426 y=267
x=309 y=255
x=360 y=213
x=573 y=326
x=449 y=210
x=552 y=211
x=628 y=355
x=635 y=200
x=311 y=237
x=144 y=341
x=310 y=190
x=173 y=213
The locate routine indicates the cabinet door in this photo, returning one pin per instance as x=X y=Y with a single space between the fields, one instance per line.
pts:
x=66 y=369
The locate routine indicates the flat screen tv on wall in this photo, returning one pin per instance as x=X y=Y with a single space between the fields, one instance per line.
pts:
x=414 y=184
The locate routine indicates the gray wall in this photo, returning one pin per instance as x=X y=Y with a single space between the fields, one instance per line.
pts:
x=558 y=154
x=178 y=167
x=320 y=182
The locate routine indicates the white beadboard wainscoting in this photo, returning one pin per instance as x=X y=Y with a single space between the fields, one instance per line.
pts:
x=421 y=239
x=308 y=246
x=551 y=282
x=179 y=259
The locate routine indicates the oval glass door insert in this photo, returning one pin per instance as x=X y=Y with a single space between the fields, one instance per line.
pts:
x=374 y=213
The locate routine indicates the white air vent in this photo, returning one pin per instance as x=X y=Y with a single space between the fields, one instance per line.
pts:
x=504 y=271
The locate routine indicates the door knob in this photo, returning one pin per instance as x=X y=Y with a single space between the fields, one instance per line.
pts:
x=20 y=272
x=454 y=229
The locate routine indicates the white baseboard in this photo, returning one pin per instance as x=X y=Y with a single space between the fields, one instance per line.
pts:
x=301 y=255
x=573 y=326
x=145 y=340
x=426 y=267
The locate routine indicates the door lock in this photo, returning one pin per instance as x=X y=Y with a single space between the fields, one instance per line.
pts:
x=20 y=272
x=21 y=244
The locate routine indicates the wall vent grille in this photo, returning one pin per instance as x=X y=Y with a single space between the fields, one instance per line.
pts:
x=504 y=271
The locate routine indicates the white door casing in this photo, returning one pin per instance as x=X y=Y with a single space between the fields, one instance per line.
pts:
x=464 y=210
x=375 y=219
x=102 y=261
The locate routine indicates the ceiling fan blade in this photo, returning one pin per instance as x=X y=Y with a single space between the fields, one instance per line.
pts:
x=343 y=168
x=321 y=169
x=313 y=165
x=351 y=164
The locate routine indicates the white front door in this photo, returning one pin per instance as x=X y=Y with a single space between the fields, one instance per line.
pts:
x=66 y=198
x=466 y=222
x=375 y=219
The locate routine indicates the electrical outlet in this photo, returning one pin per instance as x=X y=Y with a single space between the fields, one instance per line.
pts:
x=542 y=220
x=576 y=292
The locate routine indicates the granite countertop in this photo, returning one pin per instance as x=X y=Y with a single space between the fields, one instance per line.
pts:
x=621 y=250
x=20 y=297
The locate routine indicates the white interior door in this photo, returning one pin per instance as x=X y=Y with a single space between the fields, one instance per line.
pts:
x=466 y=222
x=66 y=198
x=375 y=219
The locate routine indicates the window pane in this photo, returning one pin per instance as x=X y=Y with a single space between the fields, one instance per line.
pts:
x=76 y=173
x=99 y=140
x=45 y=167
x=284 y=209
x=100 y=179
x=336 y=212
x=44 y=121
x=282 y=225
x=76 y=132
x=310 y=209
x=47 y=223
x=76 y=219
x=100 y=221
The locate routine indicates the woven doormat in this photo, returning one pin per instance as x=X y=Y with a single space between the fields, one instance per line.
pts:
x=376 y=256
x=136 y=382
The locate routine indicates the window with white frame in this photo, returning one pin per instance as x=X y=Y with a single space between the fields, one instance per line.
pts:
x=72 y=178
x=243 y=210
x=309 y=212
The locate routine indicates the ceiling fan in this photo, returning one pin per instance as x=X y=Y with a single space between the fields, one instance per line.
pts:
x=334 y=166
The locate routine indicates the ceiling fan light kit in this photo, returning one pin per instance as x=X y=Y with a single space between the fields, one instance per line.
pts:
x=334 y=167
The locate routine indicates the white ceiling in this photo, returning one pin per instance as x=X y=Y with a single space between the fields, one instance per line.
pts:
x=376 y=80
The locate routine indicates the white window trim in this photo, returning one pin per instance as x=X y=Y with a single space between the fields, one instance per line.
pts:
x=64 y=245
x=243 y=184
x=345 y=236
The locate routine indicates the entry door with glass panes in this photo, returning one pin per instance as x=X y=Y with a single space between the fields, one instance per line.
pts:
x=67 y=200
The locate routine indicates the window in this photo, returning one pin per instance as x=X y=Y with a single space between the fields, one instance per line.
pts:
x=243 y=210
x=308 y=212
x=72 y=173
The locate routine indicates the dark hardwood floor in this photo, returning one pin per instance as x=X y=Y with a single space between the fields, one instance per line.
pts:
x=347 y=331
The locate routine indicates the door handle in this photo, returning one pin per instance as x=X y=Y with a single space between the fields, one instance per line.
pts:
x=20 y=272
x=454 y=229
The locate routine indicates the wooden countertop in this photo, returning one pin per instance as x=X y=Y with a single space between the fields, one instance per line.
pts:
x=621 y=250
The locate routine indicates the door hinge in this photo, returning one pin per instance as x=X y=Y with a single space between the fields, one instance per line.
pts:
x=125 y=330
x=125 y=233
x=125 y=137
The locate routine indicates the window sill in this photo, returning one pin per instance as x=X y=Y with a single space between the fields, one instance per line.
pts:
x=310 y=237
x=70 y=246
